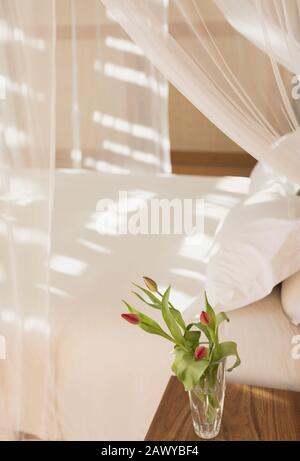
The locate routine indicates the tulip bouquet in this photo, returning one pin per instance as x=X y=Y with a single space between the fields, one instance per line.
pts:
x=197 y=348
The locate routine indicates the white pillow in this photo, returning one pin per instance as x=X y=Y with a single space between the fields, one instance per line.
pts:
x=290 y=298
x=256 y=247
x=263 y=176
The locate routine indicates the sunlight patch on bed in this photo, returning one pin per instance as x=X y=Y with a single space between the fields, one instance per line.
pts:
x=27 y=236
x=37 y=324
x=13 y=137
x=216 y=212
x=53 y=290
x=196 y=252
x=263 y=196
x=107 y=167
x=7 y=218
x=180 y=299
x=189 y=274
x=236 y=185
x=94 y=246
x=225 y=201
x=8 y=315
x=67 y=265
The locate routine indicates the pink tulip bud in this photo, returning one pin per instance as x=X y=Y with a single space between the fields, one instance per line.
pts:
x=131 y=318
x=150 y=284
x=204 y=318
x=200 y=352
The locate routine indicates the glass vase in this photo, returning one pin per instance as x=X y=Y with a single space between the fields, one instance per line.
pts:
x=207 y=400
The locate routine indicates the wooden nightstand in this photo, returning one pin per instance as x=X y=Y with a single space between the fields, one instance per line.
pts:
x=250 y=413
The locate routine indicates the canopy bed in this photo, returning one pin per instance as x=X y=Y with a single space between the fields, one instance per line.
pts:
x=61 y=280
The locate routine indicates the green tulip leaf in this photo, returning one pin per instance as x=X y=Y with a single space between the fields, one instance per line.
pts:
x=220 y=318
x=148 y=324
x=207 y=330
x=155 y=331
x=187 y=369
x=192 y=337
x=178 y=317
x=155 y=306
x=169 y=318
x=224 y=350
x=210 y=312
x=154 y=299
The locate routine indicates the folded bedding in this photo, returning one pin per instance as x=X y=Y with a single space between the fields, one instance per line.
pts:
x=257 y=245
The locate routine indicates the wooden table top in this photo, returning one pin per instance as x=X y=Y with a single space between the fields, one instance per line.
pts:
x=250 y=413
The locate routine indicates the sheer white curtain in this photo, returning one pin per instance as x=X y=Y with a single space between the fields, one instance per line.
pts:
x=272 y=25
x=232 y=63
x=92 y=99
x=112 y=95
x=27 y=140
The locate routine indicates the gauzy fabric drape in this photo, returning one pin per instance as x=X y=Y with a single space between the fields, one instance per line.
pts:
x=27 y=140
x=237 y=62
x=273 y=26
x=116 y=103
x=112 y=104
